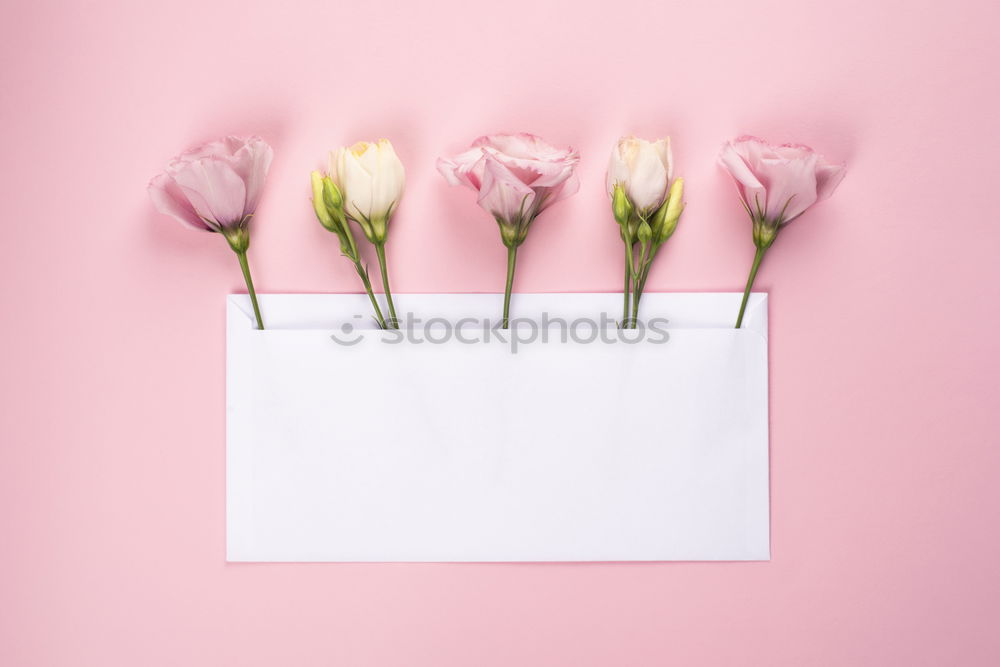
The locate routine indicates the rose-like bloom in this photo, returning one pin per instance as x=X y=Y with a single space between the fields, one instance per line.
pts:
x=517 y=177
x=371 y=176
x=778 y=183
x=644 y=169
x=215 y=187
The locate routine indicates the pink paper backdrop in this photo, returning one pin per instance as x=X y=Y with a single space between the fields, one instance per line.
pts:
x=884 y=318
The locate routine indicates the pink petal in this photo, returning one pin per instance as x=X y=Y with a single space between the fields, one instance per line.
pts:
x=504 y=195
x=521 y=145
x=169 y=199
x=251 y=162
x=546 y=197
x=464 y=169
x=790 y=185
x=515 y=174
x=787 y=179
x=216 y=192
x=538 y=173
x=447 y=169
x=250 y=158
x=828 y=177
x=750 y=188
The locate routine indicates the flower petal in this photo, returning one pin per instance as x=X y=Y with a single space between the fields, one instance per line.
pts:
x=546 y=197
x=388 y=179
x=828 y=177
x=523 y=145
x=517 y=175
x=465 y=168
x=503 y=194
x=169 y=199
x=251 y=161
x=216 y=192
x=648 y=178
x=356 y=183
x=618 y=171
x=751 y=190
x=666 y=153
x=790 y=185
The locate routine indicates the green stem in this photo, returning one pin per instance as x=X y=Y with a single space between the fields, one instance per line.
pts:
x=628 y=286
x=242 y=255
x=642 y=278
x=380 y=250
x=511 y=260
x=644 y=274
x=635 y=308
x=371 y=295
x=640 y=287
x=630 y=268
x=746 y=293
x=637 y=292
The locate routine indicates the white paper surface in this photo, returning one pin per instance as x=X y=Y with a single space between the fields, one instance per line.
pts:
x=564 y=451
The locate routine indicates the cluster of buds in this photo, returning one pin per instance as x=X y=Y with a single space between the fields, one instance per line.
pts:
x=647 y=204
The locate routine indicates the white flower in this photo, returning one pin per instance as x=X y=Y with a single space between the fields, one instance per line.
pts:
x=644 y=169
x=371 y=177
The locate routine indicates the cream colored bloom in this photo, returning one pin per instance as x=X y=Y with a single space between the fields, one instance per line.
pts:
x=644 y=169
x=371 y=177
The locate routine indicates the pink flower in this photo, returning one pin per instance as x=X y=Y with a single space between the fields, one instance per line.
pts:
x=517 y=176
x=778 y=183
x=215 y=187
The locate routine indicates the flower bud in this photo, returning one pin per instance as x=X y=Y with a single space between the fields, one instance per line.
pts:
x=332 y=195
x=666 y=217
x=620 y=205
x=645 y=232
x=323 y=213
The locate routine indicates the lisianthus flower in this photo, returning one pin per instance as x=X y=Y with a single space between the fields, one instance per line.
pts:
x=216 y=188
x=777 y=184
x=517 y=177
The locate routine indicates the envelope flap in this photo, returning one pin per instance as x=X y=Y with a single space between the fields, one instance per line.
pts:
x=755 y=317
x=678 y=310
x=238 y=307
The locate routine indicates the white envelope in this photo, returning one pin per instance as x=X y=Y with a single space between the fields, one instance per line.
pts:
x=441 y=449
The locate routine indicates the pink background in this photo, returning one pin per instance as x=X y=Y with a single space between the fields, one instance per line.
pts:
x=884 y=318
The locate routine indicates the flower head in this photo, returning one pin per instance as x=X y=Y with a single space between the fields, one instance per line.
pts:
x=371 y=177
x=215 y=187
x=644 y=169
x=517 y=177
x=778 y=183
